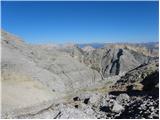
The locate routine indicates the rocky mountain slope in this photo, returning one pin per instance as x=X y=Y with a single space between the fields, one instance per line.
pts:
x=148 y=49
x=112 y=59
x=50 y=81
x=145 y=77
x=55 y=70
x=140 y=102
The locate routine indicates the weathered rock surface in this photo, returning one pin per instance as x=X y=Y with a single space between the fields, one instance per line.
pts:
x=56 y=70
x=111 y=60
x=147 y=49
x=143 y=77
x=116 y=59
x=122 y=98
x=137 y=107
x=115 y=107
x=88 y=48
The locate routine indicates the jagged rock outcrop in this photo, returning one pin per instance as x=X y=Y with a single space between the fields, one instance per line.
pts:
x=147 y=49
x=145 y=77
x=116 y=59
x=88 y=48
x=112 y=60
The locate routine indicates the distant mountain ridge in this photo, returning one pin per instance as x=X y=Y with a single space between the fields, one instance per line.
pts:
x=101 y=45
x=94 y=45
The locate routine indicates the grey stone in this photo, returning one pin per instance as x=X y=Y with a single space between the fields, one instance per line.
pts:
x=122 y=98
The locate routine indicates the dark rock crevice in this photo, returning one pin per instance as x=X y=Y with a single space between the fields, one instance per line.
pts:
x=115 y=69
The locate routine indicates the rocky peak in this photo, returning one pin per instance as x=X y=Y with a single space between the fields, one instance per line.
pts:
x=88 y=48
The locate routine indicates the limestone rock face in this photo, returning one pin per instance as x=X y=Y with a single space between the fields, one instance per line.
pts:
x=55 y=70
x=113 y=61
x=60 y=71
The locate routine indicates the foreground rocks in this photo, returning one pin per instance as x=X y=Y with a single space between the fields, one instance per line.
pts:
x=107 y=106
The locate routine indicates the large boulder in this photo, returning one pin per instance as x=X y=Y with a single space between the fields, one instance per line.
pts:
x=115 y=107
x=122 y=98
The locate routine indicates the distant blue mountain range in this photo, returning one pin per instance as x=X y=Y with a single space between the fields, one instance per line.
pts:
x=94 y=45
x=101 y=45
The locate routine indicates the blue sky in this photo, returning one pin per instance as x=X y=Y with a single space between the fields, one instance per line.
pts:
x=82 y=22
